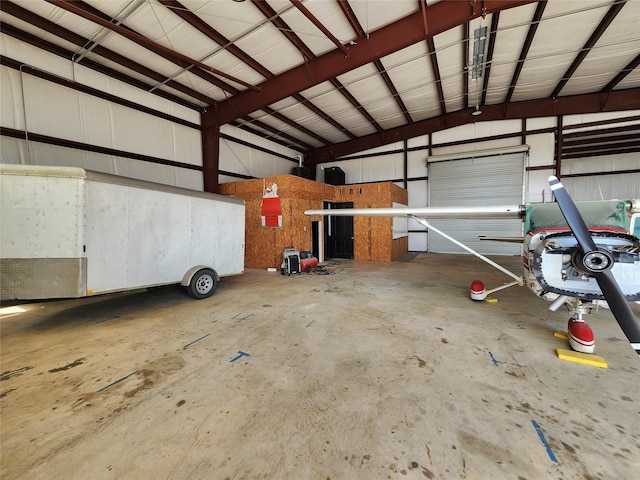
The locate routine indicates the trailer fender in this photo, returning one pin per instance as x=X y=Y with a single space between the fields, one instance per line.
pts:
x=201 y=281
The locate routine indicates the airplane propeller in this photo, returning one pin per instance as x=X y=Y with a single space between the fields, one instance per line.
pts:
x=598 y=262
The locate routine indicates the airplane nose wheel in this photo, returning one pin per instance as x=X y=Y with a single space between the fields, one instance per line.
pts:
x=581 y=338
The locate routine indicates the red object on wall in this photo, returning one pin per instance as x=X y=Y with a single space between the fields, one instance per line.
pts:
x=270 y=207
x=271 y=212
x=271 y=221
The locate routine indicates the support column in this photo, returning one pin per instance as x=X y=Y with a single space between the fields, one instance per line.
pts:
x=559 y=141
x=405 y=163
x=210 y=131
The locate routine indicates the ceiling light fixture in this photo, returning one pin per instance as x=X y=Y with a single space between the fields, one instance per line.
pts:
x=478 y=62
x=479 y=52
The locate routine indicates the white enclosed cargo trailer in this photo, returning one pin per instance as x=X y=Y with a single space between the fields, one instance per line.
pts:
x=67 y=232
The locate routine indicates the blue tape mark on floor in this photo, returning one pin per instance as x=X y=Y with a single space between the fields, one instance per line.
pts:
x=495 y=362
x=544 y=441
x=196 y=340
x=118 y=381
x=241 y=354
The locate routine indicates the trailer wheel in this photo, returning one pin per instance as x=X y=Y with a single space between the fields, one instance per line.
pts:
x=203 y=284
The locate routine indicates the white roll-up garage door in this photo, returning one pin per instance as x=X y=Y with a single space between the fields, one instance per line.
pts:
x=490 y=180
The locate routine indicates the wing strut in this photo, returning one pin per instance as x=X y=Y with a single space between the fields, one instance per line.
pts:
x=422 y=221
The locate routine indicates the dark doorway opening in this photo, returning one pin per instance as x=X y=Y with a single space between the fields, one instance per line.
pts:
x=315 y=240
x=338 y=235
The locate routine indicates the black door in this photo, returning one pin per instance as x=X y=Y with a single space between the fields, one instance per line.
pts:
x=315 y=243
x=339 y=235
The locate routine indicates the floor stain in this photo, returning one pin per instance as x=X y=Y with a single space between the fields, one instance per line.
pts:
x=13 y=373
x=80 y=361
x=154 y=372
x=7 y=392
x=85 y=399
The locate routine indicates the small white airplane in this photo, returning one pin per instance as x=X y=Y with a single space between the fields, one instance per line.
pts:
x=582 y=256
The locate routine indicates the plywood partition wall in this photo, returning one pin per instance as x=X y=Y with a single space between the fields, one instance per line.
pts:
x=373 y=237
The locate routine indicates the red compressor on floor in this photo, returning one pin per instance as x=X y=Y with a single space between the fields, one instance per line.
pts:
x=297 y=262
x=307 y=261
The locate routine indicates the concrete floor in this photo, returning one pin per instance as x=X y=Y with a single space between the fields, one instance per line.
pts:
x=373 y=371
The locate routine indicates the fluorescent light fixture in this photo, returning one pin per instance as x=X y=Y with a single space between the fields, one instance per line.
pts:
x=479 y=45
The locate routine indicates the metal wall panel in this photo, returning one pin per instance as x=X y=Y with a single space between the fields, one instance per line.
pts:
x=491 y=180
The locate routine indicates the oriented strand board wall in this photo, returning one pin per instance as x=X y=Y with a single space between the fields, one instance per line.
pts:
x=264 y=245
x=399 y=246
x=373 y=237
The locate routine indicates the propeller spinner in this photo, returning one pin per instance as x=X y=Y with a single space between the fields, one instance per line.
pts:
x=598 y=262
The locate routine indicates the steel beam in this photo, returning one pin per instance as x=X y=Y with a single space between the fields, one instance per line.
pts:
x=618 y=100
x=407 y=31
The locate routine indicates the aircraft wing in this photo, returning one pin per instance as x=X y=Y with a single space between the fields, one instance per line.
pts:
x=419 y=214
x=490 y=211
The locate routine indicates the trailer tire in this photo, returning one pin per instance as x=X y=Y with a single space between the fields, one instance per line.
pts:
x=203 y=283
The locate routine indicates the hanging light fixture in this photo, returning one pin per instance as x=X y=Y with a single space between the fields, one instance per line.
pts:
x=478 y=62
x=479 y=52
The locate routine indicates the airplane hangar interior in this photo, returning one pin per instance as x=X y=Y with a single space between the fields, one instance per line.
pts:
x=319 y=239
